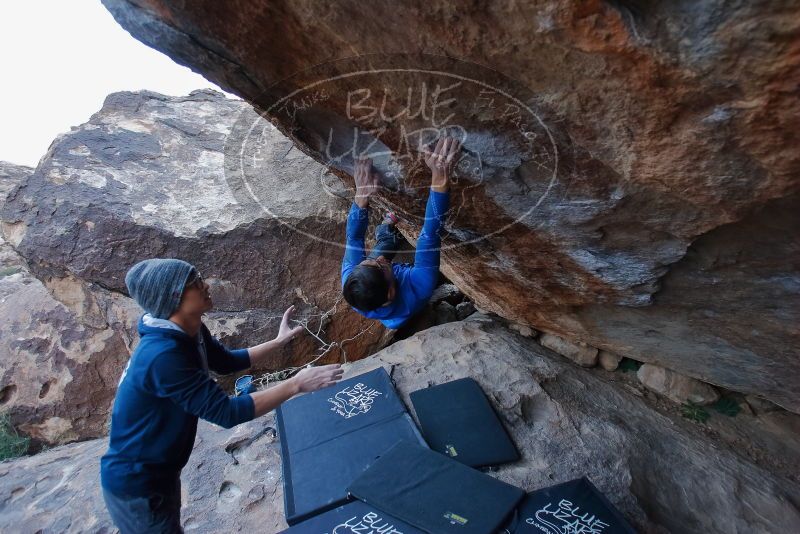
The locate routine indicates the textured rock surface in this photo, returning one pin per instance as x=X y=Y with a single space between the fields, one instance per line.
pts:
x=10 y=176
x=146 y=177
x=638 y=179
x=760 y=406
x=608 y=360
x=448 y=293
x=579 y=353
x=464 y=310
x=675 y=386
x=523 y=329
x=62 y=349
x=233 y=480
x=663 y=472
x=63 y=344
x=445 y=313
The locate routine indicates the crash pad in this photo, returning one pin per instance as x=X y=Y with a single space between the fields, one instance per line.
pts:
x=353 y=518
x=574 y=507
x=456 y=419
x=435 y=493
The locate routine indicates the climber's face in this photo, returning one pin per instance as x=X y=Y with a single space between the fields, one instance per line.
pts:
x=386 y=268
x=196 y=298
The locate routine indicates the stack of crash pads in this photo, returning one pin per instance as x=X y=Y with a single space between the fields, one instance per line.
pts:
x=330 y=436
x=373 y=453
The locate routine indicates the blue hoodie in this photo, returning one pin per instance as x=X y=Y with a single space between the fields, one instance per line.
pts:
x=415 y=283
x=161 y=394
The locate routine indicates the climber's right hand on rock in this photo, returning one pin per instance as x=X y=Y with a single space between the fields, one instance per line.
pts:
x=313 y=378
x=366 y=181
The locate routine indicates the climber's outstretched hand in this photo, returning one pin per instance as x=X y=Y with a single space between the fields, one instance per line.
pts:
x=441 y=161
x=314 y=378
x=366 y=181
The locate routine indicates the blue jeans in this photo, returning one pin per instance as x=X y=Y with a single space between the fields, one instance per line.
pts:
x=160 y=513
x=387 y=242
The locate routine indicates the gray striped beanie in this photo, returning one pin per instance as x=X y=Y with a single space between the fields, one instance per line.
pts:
x=157 y=285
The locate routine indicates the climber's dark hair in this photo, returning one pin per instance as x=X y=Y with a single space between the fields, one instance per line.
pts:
x=366 y=288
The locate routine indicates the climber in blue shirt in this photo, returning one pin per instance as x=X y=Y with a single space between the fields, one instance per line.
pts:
x=166 y=387
x=373 y=285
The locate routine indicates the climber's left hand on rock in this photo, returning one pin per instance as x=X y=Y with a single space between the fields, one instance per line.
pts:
x=366 y=181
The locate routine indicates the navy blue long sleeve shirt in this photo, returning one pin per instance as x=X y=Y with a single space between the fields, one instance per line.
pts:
x=162 y=393
x=415 y=283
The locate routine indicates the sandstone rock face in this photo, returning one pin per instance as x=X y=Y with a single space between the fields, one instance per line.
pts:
x=233 y=479
x=567 y=422
x=579 y=353
x=445 y=313
x=448 y=293
x=10 y=176
x=464 y=310
x=62 y=349
x=523 y=329
x=63 y=344
x=630 y=173
x=608 y=360
x=676 y=386
x=760 y=406
x=146 y=177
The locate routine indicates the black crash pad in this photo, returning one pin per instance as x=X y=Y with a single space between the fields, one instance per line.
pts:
x=353 y=518
x=435 y=493
x=575 y=507
x=456 y=419
x=330 y=436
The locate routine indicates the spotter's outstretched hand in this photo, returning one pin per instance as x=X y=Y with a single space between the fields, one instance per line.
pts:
x=314 y=378
x=285 y=332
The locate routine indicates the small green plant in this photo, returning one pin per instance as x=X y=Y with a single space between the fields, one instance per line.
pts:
x=628 y=365
x=11 y=443
x=694 y=412
x=727 y=406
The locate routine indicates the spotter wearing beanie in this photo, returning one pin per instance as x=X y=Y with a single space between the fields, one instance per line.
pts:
x=157 y=285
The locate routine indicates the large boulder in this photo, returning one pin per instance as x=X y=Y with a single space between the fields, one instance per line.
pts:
x=62 y=350
x=11 y=176
x=630 y=174
x=146 y=177
x=665 y=473
x=63 y=345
